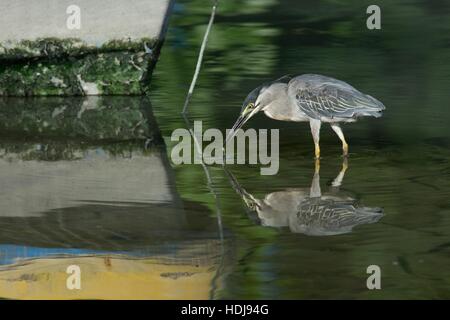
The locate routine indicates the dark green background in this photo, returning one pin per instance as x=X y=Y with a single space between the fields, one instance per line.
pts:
x=398 y=162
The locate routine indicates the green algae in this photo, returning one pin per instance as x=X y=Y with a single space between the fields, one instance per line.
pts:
x=59 y=48
x=48 y=67
x=54 y=150
x=93 y=118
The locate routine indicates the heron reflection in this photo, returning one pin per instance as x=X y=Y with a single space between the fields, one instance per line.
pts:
x=308 y=210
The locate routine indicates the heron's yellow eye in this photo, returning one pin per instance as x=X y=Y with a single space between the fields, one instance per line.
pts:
x=249 y=108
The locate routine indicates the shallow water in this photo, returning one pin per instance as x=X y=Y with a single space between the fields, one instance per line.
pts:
x=141 y=227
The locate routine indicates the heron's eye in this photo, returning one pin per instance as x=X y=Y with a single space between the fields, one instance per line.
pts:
x=249 y=108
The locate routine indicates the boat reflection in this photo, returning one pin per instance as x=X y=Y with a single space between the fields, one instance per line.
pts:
x=110 y=208
x=308 y=210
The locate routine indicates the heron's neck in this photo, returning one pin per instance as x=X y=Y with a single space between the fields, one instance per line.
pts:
x=282 y=108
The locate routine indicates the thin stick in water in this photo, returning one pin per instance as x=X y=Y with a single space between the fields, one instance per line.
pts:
x=200 y=57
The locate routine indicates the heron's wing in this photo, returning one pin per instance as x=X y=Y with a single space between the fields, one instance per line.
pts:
x=319 y=216
x=333 y=99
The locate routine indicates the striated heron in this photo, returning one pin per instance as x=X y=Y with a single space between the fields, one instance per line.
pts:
x=309 y=97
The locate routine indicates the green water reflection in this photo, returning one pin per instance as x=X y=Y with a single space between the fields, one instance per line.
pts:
x=399 y=162
x=197 y=231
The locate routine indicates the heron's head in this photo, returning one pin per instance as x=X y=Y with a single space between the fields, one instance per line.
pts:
x=255 y=101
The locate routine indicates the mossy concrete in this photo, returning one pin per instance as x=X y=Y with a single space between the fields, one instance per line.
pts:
x=93 y=118
x=112 y=53
x=70 y=68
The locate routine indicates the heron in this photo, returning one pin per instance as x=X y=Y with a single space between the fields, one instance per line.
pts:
x=309 y=98
x=308 y=210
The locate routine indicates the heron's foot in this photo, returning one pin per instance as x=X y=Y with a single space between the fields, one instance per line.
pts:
x=317 y=151
x=345 y=150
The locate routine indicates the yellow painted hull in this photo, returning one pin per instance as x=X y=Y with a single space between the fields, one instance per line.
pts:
x=107 y=278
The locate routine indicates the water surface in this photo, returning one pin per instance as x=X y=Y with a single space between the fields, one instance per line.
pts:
x=141 y=227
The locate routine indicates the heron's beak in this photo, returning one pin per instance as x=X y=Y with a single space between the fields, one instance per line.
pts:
x=237 y=125
x=250 y=201
x=243 y=118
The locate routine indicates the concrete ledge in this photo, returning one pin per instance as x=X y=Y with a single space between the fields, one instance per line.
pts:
x=101 y=22
x=112 y=53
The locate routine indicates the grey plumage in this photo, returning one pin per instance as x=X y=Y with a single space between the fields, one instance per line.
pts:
x=331 y=216
x=309 y=97
x=308 y=210
x=320 y=96
x=253 y=95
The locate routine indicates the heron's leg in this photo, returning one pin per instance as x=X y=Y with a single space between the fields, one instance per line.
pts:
x=315 y=130
x=314 y=191
x=337 y=128
x=337 y=182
